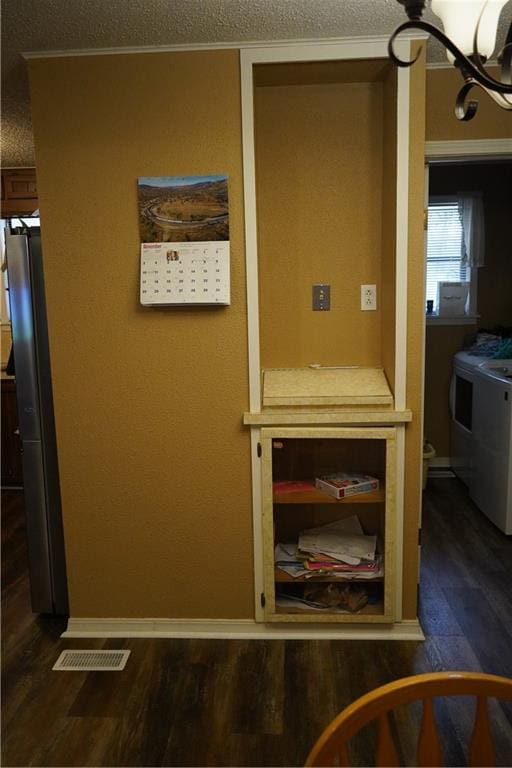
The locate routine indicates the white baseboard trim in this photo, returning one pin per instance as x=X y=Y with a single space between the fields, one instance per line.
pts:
x=243 y=629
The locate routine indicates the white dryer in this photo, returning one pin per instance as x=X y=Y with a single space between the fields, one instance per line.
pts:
x=490 y=484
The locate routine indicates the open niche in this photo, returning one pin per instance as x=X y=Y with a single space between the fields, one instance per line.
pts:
x=325 y=164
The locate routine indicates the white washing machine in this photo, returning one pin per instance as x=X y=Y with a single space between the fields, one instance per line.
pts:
x=490 y=484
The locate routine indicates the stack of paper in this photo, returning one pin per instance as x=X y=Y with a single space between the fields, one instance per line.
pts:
x=287 y=559
x=343 y=540
x=338 y=549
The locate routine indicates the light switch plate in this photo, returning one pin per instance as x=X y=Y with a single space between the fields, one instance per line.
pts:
x=321 y=297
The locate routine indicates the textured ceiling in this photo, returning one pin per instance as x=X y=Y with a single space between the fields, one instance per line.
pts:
x=58 y=25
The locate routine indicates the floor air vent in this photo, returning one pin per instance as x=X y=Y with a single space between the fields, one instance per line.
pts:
x=91 y=661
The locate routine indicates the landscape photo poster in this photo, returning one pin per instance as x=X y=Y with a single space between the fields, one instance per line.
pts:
x=183 y=208
x=184 y=232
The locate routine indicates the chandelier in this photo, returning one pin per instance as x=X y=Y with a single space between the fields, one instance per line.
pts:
x=469 y=37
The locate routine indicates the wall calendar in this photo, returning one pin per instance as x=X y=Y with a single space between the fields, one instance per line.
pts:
x=184 y=226
x=184 y=273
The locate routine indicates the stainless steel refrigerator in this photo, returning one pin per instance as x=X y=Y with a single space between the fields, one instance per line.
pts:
x=45 y=539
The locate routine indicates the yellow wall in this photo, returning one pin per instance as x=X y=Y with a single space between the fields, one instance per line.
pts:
x=388 y=222
x=154 y=461
x=5 y=344
x=319 y=195
x=490 y=122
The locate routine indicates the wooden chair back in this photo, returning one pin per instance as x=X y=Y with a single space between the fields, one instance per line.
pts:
x=332 y=744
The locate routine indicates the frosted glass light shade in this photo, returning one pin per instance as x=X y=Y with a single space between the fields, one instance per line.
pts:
x=460 y=19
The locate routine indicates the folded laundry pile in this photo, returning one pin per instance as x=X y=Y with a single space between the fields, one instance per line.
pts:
x=495 y=344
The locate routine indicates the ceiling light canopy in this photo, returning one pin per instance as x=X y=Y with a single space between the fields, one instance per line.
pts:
x=469 y=37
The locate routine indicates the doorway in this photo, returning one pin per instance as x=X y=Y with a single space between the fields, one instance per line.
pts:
x=463 y=552
x=488 y=306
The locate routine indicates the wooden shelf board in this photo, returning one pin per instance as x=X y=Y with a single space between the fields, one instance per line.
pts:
x=315 y=496
x=329 y=386
x=281 y=576
x=327 y=417
x=374 y=609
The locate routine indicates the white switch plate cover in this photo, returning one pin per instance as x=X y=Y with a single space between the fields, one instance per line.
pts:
x=368 y=297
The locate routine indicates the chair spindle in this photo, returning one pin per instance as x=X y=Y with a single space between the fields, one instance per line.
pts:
x=343 y=760
x=430 y=752
x=386 y=752
x=481 y=750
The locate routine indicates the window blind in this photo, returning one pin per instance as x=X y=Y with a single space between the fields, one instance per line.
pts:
x=444 y=248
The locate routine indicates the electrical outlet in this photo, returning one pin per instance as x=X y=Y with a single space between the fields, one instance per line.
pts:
x=368 y=297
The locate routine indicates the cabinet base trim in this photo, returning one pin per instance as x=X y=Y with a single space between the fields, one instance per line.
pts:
x=243 y=629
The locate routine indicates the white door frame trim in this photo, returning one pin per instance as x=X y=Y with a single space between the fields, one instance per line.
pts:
x=345 y=50
x=470 y=149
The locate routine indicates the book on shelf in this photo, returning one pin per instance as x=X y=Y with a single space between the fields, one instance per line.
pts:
x=293 y=486
x=342 y=484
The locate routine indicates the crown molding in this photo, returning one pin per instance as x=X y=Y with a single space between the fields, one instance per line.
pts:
x=468 y=148
x=439 y=65
x=447 y=65
x=237 y=45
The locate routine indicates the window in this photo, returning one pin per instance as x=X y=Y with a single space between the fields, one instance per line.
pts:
x=32 y=221
x=444 y=250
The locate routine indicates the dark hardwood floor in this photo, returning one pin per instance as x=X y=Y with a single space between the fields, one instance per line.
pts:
x=255 y=703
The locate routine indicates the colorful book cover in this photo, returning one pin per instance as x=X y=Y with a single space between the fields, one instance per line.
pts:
x=293 y=486
x=342 y=484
